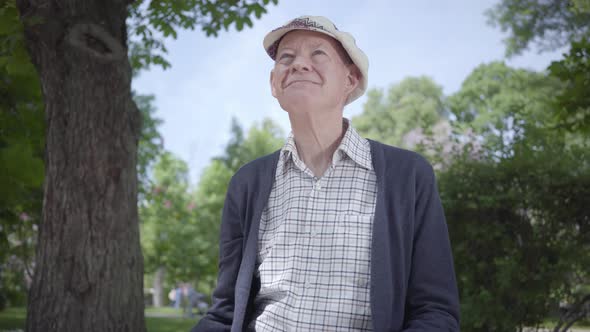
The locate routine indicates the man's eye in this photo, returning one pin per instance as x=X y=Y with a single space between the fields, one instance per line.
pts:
x=285 y=56
x=318 y=52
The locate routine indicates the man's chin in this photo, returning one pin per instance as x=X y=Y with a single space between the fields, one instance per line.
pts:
x=299 y=102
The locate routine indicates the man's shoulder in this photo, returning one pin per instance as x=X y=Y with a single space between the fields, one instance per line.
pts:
x=260 y=167
x=392 y=155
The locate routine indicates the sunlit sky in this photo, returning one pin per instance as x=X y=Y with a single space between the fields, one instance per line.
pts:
x=214 y=79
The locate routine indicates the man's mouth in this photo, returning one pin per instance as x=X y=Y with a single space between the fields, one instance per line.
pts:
x=299 y=81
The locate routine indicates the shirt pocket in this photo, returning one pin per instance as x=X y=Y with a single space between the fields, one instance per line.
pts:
x=354 y=227
x=352 y=238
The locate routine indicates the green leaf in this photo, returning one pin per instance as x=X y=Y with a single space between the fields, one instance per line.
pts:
x=239 y=24
x=167 y=17
x=4 y=61
x=248 y=21
x=21 y=166
x=227 y=21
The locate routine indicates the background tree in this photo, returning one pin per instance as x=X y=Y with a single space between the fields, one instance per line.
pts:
x=180 y=225
x=552 y=25
x=21 y=163
x=169 y=227
x=412 y=115
x=151 y=143
x=261 y=139
x=414 y=103
x=520 y=237
x=499 y=104
x=88 y=252
x=547 y=24
x=567 y=24
x=516 y=217
x=572 y=106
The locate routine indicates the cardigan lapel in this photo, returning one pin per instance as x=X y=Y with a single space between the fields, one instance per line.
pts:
x=260 y=191
x=380 y=246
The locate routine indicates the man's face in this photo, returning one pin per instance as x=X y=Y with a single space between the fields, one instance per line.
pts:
x=310 y=72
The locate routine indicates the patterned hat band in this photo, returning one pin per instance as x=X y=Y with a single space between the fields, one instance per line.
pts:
x=297 y=24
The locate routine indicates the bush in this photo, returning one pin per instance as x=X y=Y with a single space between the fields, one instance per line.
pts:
x=520 y=232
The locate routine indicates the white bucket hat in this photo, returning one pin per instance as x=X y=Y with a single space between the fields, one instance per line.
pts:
x=325 y=26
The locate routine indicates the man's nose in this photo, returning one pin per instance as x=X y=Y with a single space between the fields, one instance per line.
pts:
x=300 y=63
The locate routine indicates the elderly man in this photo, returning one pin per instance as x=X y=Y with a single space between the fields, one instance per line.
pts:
x=333 y=232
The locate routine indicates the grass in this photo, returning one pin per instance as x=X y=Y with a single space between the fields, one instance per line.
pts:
x=13 y=319
x=581 y=324
x=163 y=311
x=169 y=324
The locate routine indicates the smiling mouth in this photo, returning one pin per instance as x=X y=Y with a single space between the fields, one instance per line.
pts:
x=299 y=81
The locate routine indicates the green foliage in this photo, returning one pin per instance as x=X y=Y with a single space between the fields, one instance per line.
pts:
x=553 y=24
x=13 y=319
x=581 y=6
x=169 y=223
x=180 y=226
x=21 y=157
x=13 y=274
x=261 y=139
x=414 y=103
x=549 y=24
x=211 y=191
x=21 y=114
x=520 y=234
x=573 y=104
x=150 y=144
x=500 y=104
x=516 y=208
x=555 y=182
x=152 y=21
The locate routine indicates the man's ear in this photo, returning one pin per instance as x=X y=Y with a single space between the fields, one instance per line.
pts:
x=353 y=78
x=272 y=86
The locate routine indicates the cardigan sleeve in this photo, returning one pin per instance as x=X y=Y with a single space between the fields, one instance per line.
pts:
x=432 y=302
x=220 y=316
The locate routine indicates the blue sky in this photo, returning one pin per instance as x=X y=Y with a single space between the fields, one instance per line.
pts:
x=214 y=79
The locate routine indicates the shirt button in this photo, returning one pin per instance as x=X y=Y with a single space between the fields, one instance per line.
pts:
x=308 y=284
x=362 y=282
x=318 y=186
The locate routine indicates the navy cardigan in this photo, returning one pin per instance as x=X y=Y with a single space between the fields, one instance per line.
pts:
x=413 y=286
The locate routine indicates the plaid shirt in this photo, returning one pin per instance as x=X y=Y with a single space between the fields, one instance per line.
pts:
x=314 y=244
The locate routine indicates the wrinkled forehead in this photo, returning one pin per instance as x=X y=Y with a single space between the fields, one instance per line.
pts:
x=312 y=39
x=303 y=36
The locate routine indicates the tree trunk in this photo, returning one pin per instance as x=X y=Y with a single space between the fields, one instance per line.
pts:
x=89 y=267
x=159 y=287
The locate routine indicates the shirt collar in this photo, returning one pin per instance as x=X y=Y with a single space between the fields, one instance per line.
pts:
x=352 y=145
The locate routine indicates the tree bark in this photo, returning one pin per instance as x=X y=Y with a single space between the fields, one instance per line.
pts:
x=89 y=267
